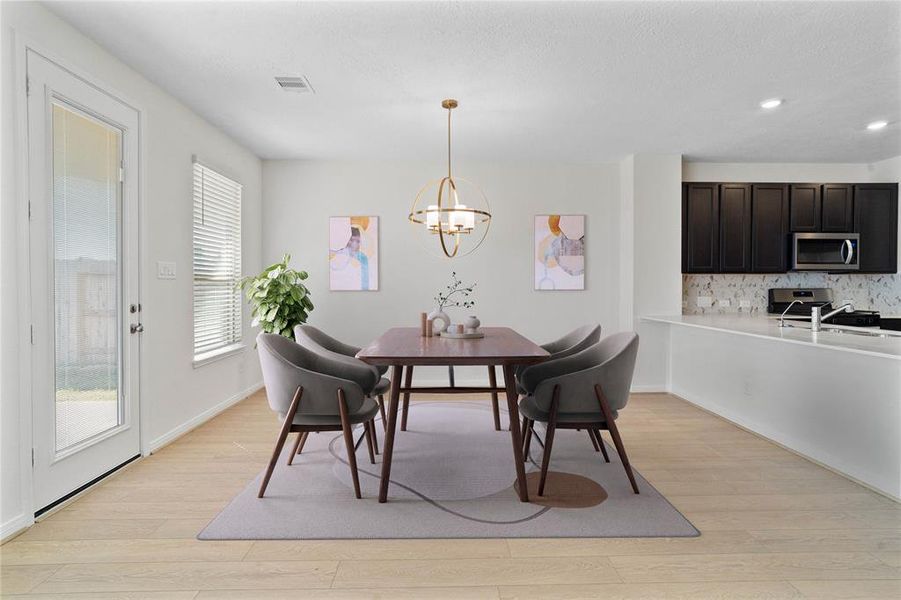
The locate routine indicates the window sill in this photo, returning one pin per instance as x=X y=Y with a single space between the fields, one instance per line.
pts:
x=218 y=354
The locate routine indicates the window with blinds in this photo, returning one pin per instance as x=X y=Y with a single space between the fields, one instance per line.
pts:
x=217 y=263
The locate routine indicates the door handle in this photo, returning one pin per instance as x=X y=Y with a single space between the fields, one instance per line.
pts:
x=137 y=328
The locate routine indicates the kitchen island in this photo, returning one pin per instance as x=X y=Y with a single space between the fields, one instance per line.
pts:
x=832 y=396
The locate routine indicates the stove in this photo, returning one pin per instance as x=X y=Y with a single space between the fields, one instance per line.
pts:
x=781 y=299
x=857 y=318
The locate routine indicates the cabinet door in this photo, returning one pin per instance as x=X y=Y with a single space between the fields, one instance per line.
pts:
x=735 y=228
x=837 y=208
x=876 y=220
x=700 y=228
x=769 y=228
x=805 y=207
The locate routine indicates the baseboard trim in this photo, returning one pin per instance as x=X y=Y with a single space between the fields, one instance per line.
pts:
x=172 y=435
x=15 y=526
x=649 y=389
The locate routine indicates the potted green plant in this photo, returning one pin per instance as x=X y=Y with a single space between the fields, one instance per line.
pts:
x=278 y=297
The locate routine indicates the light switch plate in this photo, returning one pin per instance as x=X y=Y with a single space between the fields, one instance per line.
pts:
x=705 y=301
x=165 y=270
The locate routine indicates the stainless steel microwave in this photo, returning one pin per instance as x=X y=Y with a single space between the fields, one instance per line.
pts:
x=825 y=252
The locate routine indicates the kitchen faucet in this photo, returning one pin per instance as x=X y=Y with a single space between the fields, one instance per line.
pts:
x=817 y=317
x=782 y=318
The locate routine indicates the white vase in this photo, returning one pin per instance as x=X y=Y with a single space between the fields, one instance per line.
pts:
x=440 y=321
x=472 y=323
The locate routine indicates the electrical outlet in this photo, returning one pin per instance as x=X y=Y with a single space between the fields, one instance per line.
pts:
x=725 y=302
x=705 y=301
x=165 y=270
x=744 y=303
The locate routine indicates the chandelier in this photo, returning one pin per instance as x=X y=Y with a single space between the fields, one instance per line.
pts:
x=460 y=227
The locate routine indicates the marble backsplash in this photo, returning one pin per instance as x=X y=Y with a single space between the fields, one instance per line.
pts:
x=865 y=292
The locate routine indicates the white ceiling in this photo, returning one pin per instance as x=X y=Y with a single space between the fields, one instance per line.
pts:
x=559 y=81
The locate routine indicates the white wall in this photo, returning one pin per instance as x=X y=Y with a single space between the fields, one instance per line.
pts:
x=651 y=197
x=173 y=393
x=776 y=172
x=301 y=195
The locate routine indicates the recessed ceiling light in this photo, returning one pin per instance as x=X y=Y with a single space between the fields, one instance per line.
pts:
x=771 y=103
x=877 y=125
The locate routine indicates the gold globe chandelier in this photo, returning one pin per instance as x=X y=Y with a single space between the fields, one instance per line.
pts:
x=460 y=228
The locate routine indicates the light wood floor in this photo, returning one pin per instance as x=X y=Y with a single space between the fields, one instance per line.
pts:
x=773 y=526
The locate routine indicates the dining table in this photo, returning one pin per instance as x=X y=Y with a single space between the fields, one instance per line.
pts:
x=405 y=347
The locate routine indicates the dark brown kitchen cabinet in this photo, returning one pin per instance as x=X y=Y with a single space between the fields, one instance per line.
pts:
x=876 y=220
x=837 y=208
x=769 y=228
x=747 y=228
x=805 y=207
x=700 y=228
x=735 y=228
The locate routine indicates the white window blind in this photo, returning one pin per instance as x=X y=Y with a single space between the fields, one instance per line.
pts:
x=217 y=263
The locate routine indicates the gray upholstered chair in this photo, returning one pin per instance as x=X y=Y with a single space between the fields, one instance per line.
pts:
x=319 y=341
x=575 y=341
x=585 y=390
x=313 y=392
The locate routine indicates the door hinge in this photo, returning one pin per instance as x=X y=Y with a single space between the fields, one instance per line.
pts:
x=27 y=85
x=29 y=210
x=32 y=457
x=31 y=333
x=121 y=173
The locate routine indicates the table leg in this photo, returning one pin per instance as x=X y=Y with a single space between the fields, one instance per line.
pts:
x=388 y=449
x=515 y=433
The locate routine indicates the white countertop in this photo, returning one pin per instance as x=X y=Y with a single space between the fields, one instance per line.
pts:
x=799 y=333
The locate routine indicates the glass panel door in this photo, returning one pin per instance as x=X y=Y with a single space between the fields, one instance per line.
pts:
x=86 y=193
x=84 y=252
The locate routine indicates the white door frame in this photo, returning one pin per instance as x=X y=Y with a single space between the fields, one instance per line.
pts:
x=23 y=44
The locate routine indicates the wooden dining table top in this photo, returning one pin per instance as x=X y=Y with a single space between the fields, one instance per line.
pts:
x=406 y=346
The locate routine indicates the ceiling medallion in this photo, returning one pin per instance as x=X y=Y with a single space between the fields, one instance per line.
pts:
x=460 y=228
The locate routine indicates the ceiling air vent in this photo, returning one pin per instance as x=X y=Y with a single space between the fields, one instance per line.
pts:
x=298 y=85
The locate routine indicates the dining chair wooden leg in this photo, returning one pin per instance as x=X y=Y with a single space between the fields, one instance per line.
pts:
x=297 y=447
x=303 y=442
x=549 y=439
x=614 y=433
x=492 y=381
x=382 y=412
x=594 y=441
x=367 y=430
x=597 y=434
x=280 y=442
x=527 y=437
x=375 y=437
x=349 y=442
x=408 y=381
x=393 y=402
